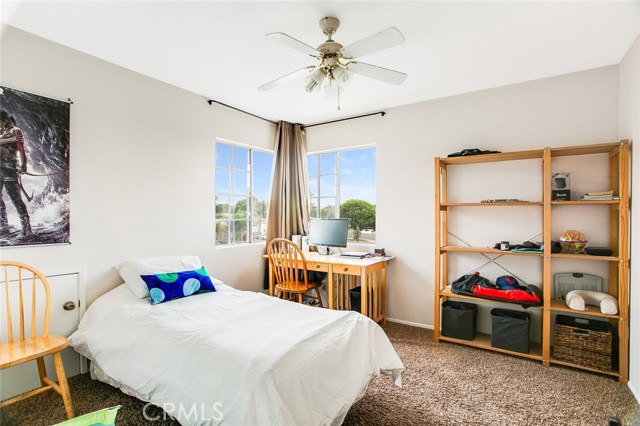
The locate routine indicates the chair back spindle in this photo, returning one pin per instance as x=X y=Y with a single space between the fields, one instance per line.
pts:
x=19 y=274
x=287 y=262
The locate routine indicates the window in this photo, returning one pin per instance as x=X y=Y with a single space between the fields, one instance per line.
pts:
x=343 y=184
x=243 y=179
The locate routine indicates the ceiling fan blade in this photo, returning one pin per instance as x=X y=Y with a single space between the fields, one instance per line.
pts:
x=285 y=79
x=379 y=73
x=293 y=43
x=381 y=40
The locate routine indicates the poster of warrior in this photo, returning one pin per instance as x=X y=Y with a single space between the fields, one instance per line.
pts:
x=34 y=169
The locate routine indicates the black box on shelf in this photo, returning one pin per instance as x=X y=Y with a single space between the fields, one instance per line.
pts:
x=510 y=330
x=459 y=320
x=561 y=194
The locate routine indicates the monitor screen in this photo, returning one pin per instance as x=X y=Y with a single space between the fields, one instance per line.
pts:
x=328 y=232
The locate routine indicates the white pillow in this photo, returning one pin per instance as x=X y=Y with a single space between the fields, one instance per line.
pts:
x=131 y=270
x=577 y=299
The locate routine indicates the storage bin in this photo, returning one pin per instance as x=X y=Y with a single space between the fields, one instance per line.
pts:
x=354 y=298
x=583 y=341
x=459 y=320
x=510 y=330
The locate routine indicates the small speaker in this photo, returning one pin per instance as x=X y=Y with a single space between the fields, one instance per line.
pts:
x=599 y=251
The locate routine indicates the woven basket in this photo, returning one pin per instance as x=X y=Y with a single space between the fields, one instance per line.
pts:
x=587 y=344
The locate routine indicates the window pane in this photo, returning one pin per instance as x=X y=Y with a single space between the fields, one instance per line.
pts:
x=262 y=168
x=312 y=164
x=358 y=175
x=222 y=232
x=240 y=207
x=222 y=154
x=328 y=163
x=328 y=186
x=358 y=192
x=241 y=184
x=222 y=181
x=314 y=208
x=313 y=186
x=240 y=231
x=223 y=207
x=259 y=229
x=240 y=158
x=327 y=208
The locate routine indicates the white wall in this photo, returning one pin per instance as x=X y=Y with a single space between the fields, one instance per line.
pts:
x=574 y=109
x=630 y=129
x=142 y=165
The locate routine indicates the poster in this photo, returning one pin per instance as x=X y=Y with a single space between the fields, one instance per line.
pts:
x=34 y=169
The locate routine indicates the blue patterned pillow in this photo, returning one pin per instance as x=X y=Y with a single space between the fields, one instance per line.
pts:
x=175 y=285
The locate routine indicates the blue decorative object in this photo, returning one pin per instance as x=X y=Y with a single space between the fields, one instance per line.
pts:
x=175 y=285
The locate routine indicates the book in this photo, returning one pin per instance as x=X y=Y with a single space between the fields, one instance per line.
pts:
x=599 y=193
x=599 y=197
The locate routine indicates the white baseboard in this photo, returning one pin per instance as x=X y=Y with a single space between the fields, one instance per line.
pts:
x=634 y=391
x=413 y=324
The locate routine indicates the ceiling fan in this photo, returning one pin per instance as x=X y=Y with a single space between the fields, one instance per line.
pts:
x=337 y=64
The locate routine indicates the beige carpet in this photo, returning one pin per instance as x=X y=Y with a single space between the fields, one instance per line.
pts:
x=444 y=384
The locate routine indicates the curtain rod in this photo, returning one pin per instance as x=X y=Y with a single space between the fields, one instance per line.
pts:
x=382 y=113
x=211 y=101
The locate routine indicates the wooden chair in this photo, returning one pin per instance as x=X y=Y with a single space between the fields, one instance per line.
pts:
x=289 y=268
x=24 y=349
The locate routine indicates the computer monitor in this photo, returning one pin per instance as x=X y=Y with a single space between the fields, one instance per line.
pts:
x=328 y=232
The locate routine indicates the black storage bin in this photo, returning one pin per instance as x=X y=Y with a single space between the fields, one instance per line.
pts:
x=510 y=330
x=459 y=320
x=354 y=297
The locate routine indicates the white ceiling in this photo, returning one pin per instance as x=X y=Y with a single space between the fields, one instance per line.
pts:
x=218 y=49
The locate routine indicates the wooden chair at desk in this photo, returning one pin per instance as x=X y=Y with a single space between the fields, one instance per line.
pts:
x=289 y=268
x=25 y=349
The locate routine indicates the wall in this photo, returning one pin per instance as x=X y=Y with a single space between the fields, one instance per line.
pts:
x=142 y=165
x=574 y=109
x=630 y=129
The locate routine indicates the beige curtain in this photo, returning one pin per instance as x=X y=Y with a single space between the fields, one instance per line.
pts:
x=289 y=207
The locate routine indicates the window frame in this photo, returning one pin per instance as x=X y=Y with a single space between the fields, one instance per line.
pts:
x=317 y=177
x=232 y=193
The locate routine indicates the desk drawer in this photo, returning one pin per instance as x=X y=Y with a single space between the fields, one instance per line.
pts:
x=320 y=267
x=346 y=269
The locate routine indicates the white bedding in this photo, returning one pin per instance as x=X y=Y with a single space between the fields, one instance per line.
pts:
x=235 y=357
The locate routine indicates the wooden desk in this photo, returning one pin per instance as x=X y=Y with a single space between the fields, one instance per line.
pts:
x=343 y=276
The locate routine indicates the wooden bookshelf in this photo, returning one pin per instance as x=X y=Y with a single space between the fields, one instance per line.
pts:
x=618 y=264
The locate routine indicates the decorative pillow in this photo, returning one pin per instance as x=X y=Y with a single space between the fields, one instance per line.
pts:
x=131 y=270
x=175 y=285
x=106 y=417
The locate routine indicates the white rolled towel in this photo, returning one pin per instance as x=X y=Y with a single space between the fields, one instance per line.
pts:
x=577 y=299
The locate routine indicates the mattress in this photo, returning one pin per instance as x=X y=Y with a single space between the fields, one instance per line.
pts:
x=234 y=357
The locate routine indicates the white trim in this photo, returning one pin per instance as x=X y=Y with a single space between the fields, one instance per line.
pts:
x=634 y=391
x=413 y=324
x=350 y=148
x=237 y=245
x=244 y=145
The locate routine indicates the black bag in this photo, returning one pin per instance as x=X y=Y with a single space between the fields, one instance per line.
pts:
x=464 y=284
x=472 y=151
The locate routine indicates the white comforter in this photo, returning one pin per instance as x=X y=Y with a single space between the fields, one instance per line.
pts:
x=235 y=357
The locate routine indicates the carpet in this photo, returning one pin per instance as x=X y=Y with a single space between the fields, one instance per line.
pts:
x=443 y=384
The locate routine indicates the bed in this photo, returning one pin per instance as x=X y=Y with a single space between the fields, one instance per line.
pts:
x=234 y=357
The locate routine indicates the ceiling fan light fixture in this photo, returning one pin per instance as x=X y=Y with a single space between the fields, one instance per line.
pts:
x=314 y=80
x=342 y=76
